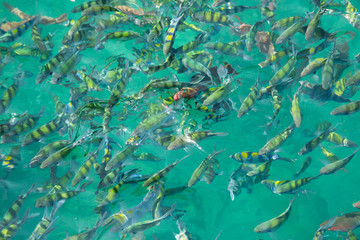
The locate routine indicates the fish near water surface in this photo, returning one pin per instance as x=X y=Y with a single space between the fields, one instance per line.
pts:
x=133 y=80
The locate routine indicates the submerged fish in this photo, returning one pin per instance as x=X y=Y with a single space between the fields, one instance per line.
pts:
x=191 y=138
x=276 y=222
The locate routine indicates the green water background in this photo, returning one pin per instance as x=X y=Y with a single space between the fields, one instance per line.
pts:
x=209 y=208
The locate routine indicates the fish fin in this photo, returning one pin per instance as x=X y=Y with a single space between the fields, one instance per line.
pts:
x=29 y=191
x=273 y=235
x=82 y=188
x=305 y=192
x=290 y=98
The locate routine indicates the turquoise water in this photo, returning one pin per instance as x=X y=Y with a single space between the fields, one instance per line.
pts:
x=208 y=208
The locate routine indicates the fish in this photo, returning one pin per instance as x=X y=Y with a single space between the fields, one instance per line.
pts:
x=295 y=109
x=250 y=35
x=112 y=21
x=170 y=33
x=277 y=141
x=277 y=101
x=78 y=25
x=350 y=16
x=274 y=57
x=356 y=204
x=21 y=127
x=185 y=140
x=222 y=48
x=9 y=231
x=275 y=223
x=254 y=157
x=183 y=234
x=44 y=227
x=196 y=66
x=314 y=23
x=321 y=230
x=304 y=166
x=84 y=170
x=335 y=166
x=313 y=66
x=66 y=67
x=124 y=218
x=201 y=38
x=43 y=131
x=12 y=159
x=98 y=10
x=46 y=150
x=141 y=226
x=284 y=23
x=147 y=157
x=131 y=11
x=290 y=31
x=88 y=234
x=14 y=34
x=111 y=195
x=90 y=82
x=203 y=166
x=287 y=186
x=50 y=66
x=313 y=143
x=121 y=35
x=81 y=7
x=110 y=177
x=36 y=37
x=340 y=140
x=283 y=72
x=8 y=96
x=344 y=223
x=157 y=29
x=218 y=95
x=346 y=109
x=121 y=157
x=50 y=198
x=261 y=169
x=160 y=174
x=59 y=106
x=249 y=101
x=14 y=209
x=318 y=93
x=57 y=184
x=328 y=70
x=329 y=155
x=151 y=123
x=211 y=17
x=217 y=3
x=58 y=156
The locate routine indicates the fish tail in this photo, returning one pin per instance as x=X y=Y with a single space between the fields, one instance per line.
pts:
x=8 y=6
x=103 y=209
x=27 y=215
x=101 y=221
x=219 y=134
x=29 y=191
x=41 y=112
x=312 y=178
x=56 y=207
x=169 y=212
x=82 y=188
x=292 y=200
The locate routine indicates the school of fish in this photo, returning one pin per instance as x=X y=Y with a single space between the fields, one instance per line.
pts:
x=106 y=136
